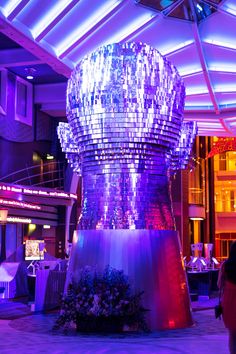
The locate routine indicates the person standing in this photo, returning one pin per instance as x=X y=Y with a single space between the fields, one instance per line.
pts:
x=227 y=286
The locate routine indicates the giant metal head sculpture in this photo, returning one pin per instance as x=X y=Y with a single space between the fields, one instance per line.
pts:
x=125 y=132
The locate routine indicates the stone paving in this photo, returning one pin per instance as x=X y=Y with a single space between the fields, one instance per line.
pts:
x=24 y=332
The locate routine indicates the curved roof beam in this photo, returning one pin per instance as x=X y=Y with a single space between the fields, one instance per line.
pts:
x=37 y=50
x=92 y=29
x=225 y=125
x=17 y=9
x=202 y=59
x=164 y=13
x=56 y=20
x=135 y=31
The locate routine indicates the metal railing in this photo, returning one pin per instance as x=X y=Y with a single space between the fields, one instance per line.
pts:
x=50 y=175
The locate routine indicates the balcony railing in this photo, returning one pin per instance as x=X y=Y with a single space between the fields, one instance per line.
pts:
x=49 y=175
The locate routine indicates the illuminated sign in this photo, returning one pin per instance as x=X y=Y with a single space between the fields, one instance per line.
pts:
x=18 y=220
x=222 y=145
x=46 y=193
x=19 y=204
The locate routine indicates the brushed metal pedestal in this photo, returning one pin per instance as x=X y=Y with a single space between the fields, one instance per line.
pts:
x=152 y=260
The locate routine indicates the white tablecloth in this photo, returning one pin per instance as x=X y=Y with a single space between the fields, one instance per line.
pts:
x=13 y=277
x=49 y=287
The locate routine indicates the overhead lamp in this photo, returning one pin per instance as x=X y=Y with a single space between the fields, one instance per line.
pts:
x=46 y=226
x=30 y=73
x=49 y=157
x=32 y=228
x=199 y=7
x=196 y=218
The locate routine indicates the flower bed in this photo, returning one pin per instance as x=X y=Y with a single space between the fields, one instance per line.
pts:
x=101 y=302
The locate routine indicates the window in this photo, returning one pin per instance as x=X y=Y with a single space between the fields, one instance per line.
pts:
x=3 y=91
x=24 y=101
x=197 y=183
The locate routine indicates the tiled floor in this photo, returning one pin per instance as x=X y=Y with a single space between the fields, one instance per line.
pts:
x=22 y=332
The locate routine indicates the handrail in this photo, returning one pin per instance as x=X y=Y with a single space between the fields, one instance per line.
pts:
x=29 y=168
x=36 y=175
x=28 y=174
x=48 y=181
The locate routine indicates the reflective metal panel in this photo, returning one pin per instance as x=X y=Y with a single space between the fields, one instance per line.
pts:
x=151 y=259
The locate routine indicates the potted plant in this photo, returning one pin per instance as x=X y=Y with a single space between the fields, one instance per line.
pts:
x=101 y=302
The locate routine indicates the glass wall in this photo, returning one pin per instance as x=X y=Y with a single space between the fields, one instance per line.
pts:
x=197 y=182
x=225 y=196
x=225 y=182
x=226 y=161
x=225 y=199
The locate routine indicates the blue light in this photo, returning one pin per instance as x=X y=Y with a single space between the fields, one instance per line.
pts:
x=200 y=9
x=166 y=3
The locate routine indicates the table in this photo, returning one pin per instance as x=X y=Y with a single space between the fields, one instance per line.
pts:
x=203 y=283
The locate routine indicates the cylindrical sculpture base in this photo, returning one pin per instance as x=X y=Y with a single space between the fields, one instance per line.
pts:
x=152 y=260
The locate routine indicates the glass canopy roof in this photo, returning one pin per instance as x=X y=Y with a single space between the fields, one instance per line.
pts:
x=190 y=10
x=197 y=36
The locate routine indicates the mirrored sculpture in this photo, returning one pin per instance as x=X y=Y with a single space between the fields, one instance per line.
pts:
x=125 y=134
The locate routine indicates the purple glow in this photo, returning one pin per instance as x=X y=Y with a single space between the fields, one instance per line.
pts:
x=124 y=106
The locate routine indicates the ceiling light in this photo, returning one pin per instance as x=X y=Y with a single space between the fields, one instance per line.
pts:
x=49 y=16
x=224 y=88
x=229 y=45
x=196 y=91
x=49 y=157
x=206 y=124
x=10 y=7
x=189 y=71
x=30 y=73
x=222 y=68
x=174 y=48
x=229 y=10
x=128 y=30
x=31 y=228
x=193 y=218
x=85 y=26
x=199 y=7
x=46 y=226
x=232 y=124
